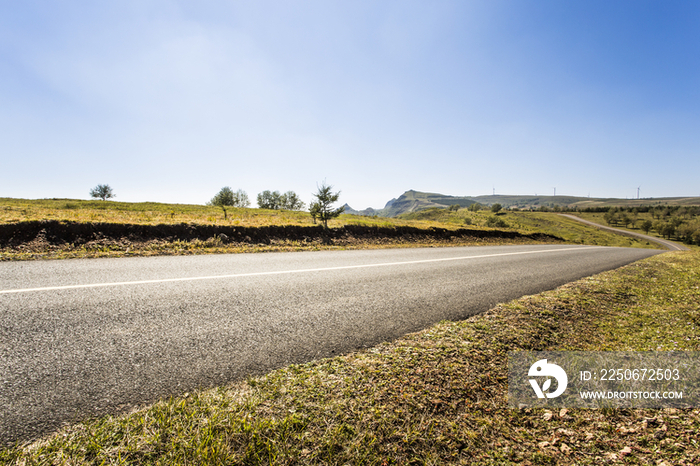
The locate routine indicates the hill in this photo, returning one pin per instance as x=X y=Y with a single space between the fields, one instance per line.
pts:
x=413 y=201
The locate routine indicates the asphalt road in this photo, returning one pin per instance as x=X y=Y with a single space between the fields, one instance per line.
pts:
x=83 y=338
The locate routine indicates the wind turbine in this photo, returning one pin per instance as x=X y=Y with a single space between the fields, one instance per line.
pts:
x=638 y=191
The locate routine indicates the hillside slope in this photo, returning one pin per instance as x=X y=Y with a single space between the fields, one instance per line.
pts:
x=413 y=201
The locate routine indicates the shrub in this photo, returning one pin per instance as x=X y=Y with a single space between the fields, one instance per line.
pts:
x=495 y=222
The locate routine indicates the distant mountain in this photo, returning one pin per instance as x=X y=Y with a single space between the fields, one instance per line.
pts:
x=369 y=212
x=412 y=201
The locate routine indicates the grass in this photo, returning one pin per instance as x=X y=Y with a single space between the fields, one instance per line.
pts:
x=432 y=397
x=153 y=213
x=530 y=222
x=19 y=210
x=599 y=218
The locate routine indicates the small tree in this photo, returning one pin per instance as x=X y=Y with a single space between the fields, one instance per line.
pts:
x=624 y=219
x=496 y=208
x=240 y=199
x=646 y=226
x=323 y=207
x=223 y=197
x=696 y=236
x=668 y=230
x=291 y=201
x=314 y=210
x=102 y=191
x=227 y=198
x=270 y=200
x=612 y=217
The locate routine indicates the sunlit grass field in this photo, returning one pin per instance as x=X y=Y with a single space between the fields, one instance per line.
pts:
x=528 y=222
x=15 y=211
x=152 y=213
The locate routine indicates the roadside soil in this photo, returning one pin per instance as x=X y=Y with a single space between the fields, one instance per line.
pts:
x=58 y=239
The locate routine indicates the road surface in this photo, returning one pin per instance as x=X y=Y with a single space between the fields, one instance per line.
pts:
x=83 y=338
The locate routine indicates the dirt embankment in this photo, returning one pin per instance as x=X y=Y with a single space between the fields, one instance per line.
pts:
x=50 y=236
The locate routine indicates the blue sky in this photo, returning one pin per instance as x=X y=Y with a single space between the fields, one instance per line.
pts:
x=171 y=100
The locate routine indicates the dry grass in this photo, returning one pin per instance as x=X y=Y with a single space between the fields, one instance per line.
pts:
x=528 y=222
x=152 y=213
x=13 y=211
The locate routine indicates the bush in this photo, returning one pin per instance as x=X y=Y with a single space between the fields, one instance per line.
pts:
x=696 y=236
x=689 y=233
x=495 y=222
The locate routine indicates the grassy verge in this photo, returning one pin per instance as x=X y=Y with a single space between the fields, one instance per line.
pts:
x=433 y=397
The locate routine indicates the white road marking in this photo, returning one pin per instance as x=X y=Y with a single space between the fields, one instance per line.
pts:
x=283 y=272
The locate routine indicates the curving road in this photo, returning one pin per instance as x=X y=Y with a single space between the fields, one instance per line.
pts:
x=88 y=337
x=670 y=245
